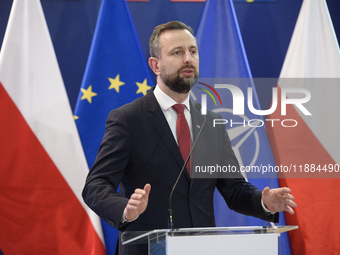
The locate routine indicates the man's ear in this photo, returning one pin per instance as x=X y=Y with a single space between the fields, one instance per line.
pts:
x=154 y=65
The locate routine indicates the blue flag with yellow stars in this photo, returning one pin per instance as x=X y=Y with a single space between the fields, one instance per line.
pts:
x=116 y=74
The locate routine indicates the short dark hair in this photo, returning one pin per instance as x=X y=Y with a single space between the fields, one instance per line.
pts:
x=154 y=44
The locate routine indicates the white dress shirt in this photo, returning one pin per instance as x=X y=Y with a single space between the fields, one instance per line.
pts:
x=170 y=114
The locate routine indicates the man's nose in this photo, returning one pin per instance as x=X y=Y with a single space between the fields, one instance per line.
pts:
x=187 y=57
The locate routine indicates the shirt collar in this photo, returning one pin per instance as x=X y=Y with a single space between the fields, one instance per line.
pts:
x=165 y=101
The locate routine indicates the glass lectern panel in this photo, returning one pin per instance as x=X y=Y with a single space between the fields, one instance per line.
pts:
x=139 y=237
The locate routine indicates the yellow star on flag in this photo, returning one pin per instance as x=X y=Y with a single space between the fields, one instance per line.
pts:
x=143 y=87
x=88 y=94
x=75 y=117
x=115 y=83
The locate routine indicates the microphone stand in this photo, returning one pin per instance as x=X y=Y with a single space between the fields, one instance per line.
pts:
x=171 y=224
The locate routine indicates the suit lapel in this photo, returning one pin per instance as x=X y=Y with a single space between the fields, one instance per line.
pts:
x=157 y=118
x=197 y=122
x=196 y=119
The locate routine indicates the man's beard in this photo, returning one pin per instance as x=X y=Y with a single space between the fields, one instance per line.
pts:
x=178 y=84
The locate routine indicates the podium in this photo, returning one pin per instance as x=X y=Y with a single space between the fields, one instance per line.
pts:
x=216 y=240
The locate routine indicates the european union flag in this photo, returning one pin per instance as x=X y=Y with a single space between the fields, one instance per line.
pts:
x=116 y=74
x=222 y=55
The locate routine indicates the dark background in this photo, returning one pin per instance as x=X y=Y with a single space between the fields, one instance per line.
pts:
x=266 y=28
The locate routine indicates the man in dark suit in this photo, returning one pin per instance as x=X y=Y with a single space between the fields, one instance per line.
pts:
x=142 y=148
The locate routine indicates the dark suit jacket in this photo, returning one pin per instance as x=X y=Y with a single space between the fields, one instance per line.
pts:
x=138 y=148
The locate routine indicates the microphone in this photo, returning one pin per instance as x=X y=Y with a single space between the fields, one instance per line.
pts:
x=171 y=224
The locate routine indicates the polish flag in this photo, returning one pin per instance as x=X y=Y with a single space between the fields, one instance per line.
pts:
x=42 y=167
x=313 y=146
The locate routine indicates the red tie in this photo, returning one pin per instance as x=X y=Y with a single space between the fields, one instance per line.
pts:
x=183 y=133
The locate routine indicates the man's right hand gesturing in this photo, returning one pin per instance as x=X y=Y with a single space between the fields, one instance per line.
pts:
x=137 y=203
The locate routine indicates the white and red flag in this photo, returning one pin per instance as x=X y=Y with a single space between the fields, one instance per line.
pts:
x=312 y=147
x=43 y=167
